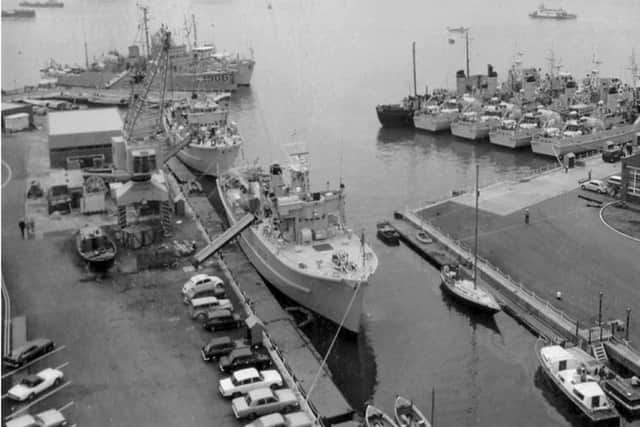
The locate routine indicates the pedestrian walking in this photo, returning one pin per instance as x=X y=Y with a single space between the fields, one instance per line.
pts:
x=589 y=174
x=526 y=216
x=31 y=228
x=22 y=226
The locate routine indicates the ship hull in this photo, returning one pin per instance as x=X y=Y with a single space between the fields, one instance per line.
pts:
x=473 y=132
x=209 y=160
x=244 y=73
x=560 y=146
x=394 y=116
x=205 y=82
x=462 y=299
x=509 y=139
x=325 y=296
x=432 y=123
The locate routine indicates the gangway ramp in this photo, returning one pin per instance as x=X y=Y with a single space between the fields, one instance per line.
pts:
x=223 y=239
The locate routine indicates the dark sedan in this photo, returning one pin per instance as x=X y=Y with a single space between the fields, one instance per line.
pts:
x=27 y=352
x=241 y=358
x=218 y=320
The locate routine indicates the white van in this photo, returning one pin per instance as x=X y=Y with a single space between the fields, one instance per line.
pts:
x=199 y=307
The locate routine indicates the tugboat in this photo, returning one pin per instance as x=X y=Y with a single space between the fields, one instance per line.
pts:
x=96 y=248
x=388 y=234
x=401 y=115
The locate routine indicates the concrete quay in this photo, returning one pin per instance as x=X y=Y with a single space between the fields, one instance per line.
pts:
x=292 y=351
x=565 y=248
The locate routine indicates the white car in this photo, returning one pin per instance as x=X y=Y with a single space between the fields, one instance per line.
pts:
x=32 y=385
x=595 y=185
x=245 y=380
x=295 y=419
x=50 y=418
x=201 y=281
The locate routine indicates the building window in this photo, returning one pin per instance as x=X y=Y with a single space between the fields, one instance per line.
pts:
x=633 y=184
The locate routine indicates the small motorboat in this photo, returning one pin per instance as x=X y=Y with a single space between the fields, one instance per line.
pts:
x=408 y=415
x=388 y=234
x=423 y=237
x=623 y=391
x=96 y=248
x=374 y=417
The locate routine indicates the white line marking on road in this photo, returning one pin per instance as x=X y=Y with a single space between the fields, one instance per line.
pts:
x=33 y=402
x=5 y=164
x=7 y=319
x=56 y=350
x=62 y=366
x=67 y=406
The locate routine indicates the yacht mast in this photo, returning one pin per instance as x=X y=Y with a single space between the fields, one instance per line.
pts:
x=475 y=250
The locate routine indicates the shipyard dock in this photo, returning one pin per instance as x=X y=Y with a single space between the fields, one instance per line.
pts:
x=565 y=275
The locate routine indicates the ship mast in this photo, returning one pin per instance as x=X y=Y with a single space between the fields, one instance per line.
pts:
x=195 y=33
x=415 y=87
x=475 y=250
x=466 y=48
x=634 y=69
x=145 y=23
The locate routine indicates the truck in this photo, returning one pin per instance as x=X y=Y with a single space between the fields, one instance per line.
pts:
x=611 y=152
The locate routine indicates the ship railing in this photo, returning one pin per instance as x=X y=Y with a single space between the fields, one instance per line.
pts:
x=506 y=281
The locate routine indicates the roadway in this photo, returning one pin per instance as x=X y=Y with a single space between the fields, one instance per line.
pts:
x=131 y=353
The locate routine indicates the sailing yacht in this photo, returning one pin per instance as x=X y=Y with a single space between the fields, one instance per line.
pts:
x=468 y=291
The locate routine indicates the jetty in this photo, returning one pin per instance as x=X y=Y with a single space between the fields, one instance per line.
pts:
x=543 y=272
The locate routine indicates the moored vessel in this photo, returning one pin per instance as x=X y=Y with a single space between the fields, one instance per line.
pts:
x=574 y=379
x=516 y=134
x=407 y=414
x=575 y=138
x=549 y=13
x=96 y=248
x=374 y=417
x=436 y=118
x=387 y=233
x=625 y=392
x=48 y=3
x=18 y=13
x=300 y=243
x=211 y=142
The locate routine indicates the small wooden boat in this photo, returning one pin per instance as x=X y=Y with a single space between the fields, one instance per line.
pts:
x=624 y=391
x=423 y=237
x=408 y=415
x=96 y=248
x=388 y=234
x=374 y=417
x=466 y=291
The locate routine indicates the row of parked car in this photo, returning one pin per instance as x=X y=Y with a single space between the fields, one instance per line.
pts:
x=255 y=387
x=33 y=385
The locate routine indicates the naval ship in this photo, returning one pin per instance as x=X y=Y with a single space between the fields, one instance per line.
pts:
x=300 y=242
x=213 y=141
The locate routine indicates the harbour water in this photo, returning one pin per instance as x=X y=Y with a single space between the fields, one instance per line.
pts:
x=322 y=66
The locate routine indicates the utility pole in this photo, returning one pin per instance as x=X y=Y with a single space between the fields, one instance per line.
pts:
x=475 y=261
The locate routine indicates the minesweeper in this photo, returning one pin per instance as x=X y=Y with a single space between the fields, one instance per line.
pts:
x=300 y=241
x=213 y=141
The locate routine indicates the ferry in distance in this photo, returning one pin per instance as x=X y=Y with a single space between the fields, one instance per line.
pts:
x=547 y=13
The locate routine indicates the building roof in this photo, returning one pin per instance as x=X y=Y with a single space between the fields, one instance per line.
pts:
x=84 y=121
x=8 y=106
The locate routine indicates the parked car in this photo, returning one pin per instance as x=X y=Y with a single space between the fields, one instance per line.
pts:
x=611 y=152
x=217 y=291
x=199 y=307
x=241 y=358
x=245 y=380
x=32 y=385
x=49 y=418
x=264 y=401
x=595 y=185
x=201 y=282
x=294 y=419
x=220 y=346
x=27 y=352
x=218 y=320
